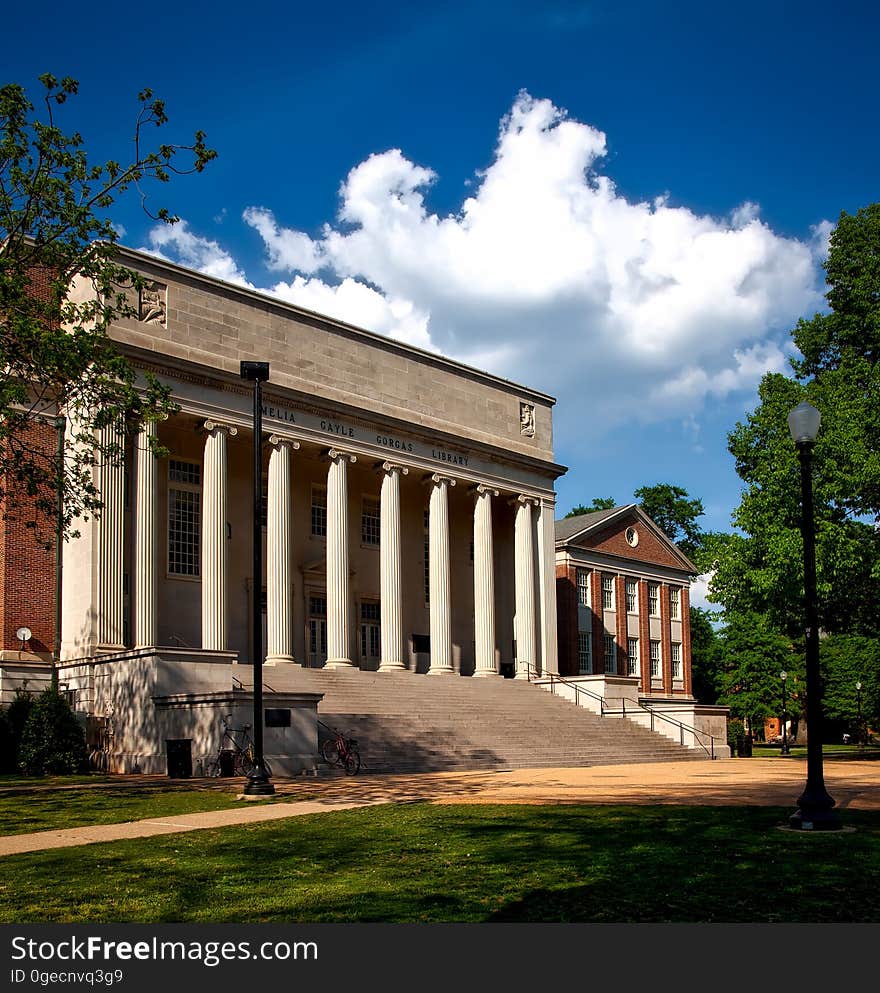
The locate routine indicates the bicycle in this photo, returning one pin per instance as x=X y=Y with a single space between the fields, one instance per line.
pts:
x=341 y=751
x=241 y=747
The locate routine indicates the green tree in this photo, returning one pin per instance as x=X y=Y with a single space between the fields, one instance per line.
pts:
x=56 y=227
x=600 y=503
x=846 y=660
x=760 y=568
x=705 y=658
x=53 y=742
x=752 y=656
x=670 y=508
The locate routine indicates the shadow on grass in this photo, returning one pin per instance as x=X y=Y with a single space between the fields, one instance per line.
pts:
x=467 y=863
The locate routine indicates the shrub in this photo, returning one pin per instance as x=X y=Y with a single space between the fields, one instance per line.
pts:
x=53 y=741
x=12 y=723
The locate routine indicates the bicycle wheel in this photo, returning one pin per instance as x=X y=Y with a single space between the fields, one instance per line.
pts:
x=213 y=767
x=330 y=751
x=243 y=762
x=352 y=762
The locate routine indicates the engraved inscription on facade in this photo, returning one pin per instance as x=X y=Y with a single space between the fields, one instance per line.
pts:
x=151 y=308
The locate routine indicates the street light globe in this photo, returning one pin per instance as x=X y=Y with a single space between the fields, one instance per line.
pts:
x=859 y=685
x=803 y=423
x=783 y=675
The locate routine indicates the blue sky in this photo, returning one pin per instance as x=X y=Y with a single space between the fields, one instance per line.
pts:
x=622 y=204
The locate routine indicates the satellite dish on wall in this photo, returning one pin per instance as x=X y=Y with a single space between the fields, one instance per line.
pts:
x=23 y=634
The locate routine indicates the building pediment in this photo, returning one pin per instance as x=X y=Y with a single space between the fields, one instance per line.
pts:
x=625 y=532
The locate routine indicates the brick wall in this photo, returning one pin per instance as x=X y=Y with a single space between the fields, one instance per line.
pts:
x=567 y=619
x=665 y=638
x=27 y=568
x=686 y=639
x=644 y=637
x=598 y=621
x=620 y=602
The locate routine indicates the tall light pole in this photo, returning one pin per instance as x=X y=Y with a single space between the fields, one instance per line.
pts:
x=258 y=782
x=785 y=750
x=815 y=807
x=859 y=717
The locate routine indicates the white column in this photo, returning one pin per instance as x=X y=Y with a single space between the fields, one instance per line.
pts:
x=110 y=543
x=484 y=584
x=547 y=585
x=390 y=577
x=524 y=577
x=214 y=499
x=144 y=588
x=439 y=582
x=338 y=594
x=279 y=552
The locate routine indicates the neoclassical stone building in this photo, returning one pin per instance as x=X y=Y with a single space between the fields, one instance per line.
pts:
x=408 y=517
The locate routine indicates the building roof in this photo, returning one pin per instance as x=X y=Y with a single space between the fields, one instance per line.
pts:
x=571 y=528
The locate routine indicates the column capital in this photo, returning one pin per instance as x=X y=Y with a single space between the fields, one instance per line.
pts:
x=334 y=453
x=439 y=479
x=392 y=467
x=277 y=440
x=481 y=488
x=211 y=426
x=524 y=498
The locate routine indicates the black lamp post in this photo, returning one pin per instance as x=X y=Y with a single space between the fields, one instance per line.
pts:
x=859 y=710
x=258 y=782
x=785 y=750
x=815 y=807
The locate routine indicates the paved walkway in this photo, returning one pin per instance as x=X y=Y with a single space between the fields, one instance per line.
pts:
x=759 y=782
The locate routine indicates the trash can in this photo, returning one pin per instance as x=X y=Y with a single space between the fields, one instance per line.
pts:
x=179 y=755
x=227 y=762
x=744 y=746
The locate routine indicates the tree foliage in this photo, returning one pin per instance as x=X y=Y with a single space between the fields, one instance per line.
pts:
x=53 y=742
x=705 y=658
x=600 y=503
x=751 y=657
x=55 y=227
x=670 y=508
x=760 y=569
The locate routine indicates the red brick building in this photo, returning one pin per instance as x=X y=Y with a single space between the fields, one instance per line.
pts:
x=623 y=596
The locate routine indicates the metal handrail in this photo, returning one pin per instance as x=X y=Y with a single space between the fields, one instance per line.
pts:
x=604 y=708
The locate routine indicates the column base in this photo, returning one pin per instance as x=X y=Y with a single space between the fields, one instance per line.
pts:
x=521 y=674
x=441 y=671
x=485 y=673
x=392 y=667
x=339 y=664
x=282 y=660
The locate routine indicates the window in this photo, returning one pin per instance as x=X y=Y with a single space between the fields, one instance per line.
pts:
x=675 y=603
x=676 y=660
x=583 y=585
x=632 y=596
x=610 y=659
x=655 y=660
x=585 y=661
x=607 y=592
x=319 y=511
x=370 y=521
x=184 y=517
x=632 y=656
x=653 y=599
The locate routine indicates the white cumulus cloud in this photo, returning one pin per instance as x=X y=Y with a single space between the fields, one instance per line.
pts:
x=546 y=274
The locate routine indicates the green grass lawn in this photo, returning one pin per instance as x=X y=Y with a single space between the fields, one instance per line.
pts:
x=24 y=809
x=420 y=862
x=832 y=753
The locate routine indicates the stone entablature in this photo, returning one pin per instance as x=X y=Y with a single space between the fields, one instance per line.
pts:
x=215 y=324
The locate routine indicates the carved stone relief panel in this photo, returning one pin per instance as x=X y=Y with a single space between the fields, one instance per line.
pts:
x=527 y=419
x=151 y=308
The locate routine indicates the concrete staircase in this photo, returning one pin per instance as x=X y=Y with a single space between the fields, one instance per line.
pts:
x=408 y=722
